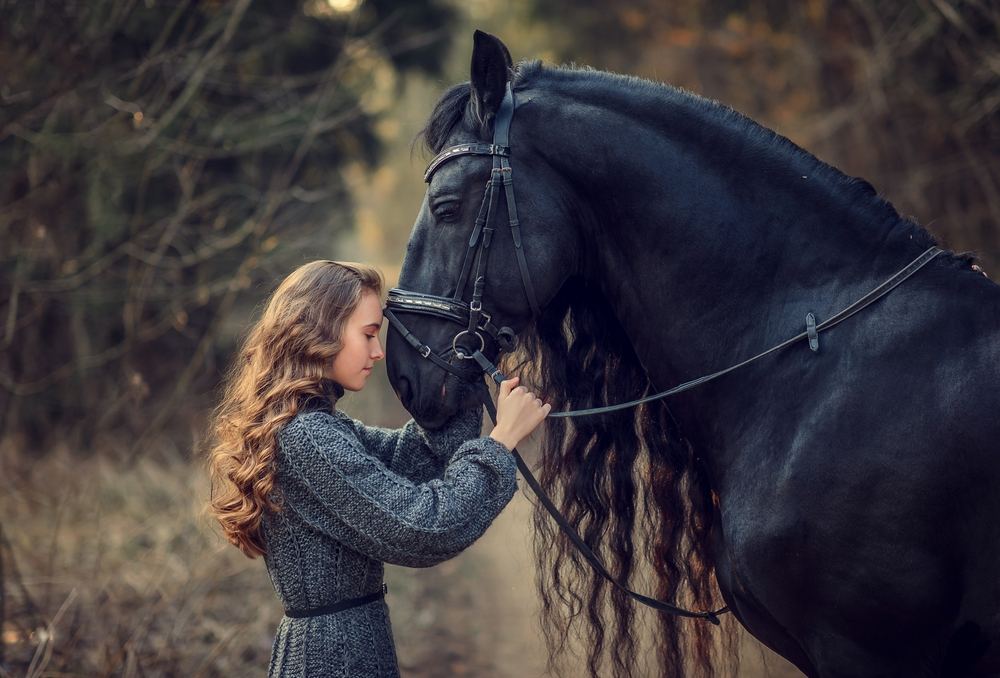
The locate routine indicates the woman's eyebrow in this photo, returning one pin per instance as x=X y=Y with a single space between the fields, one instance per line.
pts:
x=377 y=325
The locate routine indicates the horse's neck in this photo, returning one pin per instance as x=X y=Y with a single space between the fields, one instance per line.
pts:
x=714 y=248
x=711 y=250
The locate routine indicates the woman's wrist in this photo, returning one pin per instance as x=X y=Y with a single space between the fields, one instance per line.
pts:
x=503 y=438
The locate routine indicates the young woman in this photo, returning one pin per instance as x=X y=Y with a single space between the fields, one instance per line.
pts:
x=327 y=500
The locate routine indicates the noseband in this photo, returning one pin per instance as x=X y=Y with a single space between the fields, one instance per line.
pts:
x=470 y=342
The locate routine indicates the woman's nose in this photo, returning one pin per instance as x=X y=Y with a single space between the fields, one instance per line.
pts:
x=378 y=353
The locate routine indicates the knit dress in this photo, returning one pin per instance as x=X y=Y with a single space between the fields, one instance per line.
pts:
x=355 y=497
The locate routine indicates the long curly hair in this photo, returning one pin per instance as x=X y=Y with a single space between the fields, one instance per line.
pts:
x=633 y=488
x=279 y=368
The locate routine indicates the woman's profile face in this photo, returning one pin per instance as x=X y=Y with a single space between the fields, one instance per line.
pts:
x=361 y=346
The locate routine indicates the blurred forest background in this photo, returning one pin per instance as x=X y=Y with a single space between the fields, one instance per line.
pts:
x=163 y=164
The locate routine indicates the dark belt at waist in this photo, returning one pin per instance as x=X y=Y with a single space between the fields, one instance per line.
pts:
x=339 y=606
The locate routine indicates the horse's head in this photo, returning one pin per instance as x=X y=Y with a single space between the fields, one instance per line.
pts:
x=449 y=251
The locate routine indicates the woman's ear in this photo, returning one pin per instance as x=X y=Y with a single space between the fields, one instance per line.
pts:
x=491 y=69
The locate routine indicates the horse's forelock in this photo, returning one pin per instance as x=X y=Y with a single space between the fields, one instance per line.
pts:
x=450 y=109
x=453 y=107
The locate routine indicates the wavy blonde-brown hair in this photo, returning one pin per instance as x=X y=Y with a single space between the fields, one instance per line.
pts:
x=280 y=366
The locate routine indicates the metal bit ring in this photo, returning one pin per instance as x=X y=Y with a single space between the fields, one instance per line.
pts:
x=461 y=354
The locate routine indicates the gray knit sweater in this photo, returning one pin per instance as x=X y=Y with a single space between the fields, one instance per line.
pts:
x=356 y=496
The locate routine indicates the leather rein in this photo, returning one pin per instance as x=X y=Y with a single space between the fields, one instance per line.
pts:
x=469 y=343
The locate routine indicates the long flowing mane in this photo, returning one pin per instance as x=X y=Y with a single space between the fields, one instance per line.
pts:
x=632 y=487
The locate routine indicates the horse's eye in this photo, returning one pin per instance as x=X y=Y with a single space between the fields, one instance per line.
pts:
x=447 y=210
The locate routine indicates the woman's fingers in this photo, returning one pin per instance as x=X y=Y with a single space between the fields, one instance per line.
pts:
x=519 y=412
x=508 y=385
x=518 y=401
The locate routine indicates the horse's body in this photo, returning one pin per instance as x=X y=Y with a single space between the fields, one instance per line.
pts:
x=857 y=524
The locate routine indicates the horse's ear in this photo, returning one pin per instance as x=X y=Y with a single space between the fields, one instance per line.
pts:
x=491 y=68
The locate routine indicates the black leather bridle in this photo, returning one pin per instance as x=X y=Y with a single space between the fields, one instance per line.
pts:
x=470 y=342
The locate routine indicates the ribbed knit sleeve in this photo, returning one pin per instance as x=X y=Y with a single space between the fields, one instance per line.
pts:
x=418 y=453
x=342 y=490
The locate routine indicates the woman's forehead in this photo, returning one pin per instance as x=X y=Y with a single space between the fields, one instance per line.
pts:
x=369 y=310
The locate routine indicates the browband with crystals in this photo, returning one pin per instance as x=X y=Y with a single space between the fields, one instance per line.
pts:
x=463 y=149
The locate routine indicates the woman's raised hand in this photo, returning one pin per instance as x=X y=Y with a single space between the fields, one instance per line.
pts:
x=519 y=412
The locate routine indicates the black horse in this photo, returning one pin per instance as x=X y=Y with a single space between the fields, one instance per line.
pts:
x=845 y=499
